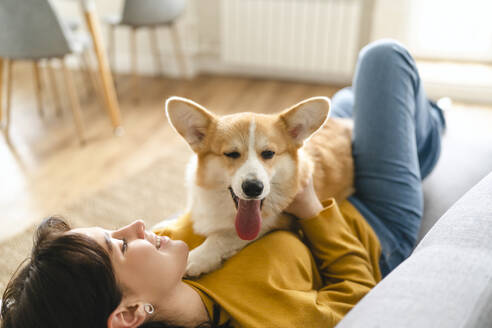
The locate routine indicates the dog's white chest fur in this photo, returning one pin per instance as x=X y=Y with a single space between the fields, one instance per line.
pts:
x=213 y=214
x=211 y=211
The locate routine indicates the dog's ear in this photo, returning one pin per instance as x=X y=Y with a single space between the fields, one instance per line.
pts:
x=305 y=118
x=190 y=120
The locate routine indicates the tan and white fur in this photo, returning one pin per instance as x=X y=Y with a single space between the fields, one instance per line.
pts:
x=233 y=150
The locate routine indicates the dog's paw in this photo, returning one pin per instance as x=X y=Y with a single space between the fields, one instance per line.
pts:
x=200 y=263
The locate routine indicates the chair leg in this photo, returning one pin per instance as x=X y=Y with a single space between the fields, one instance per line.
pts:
x=96 y=86
x=9 y=79
x=112 y=47
x=178 y=50
x=38 y=87
x=154 y=43
x=54 y=89
x=74 y=101
x=84 y=77
x=105 y=76
x=135 y=81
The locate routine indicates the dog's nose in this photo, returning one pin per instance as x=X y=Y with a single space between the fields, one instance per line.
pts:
x=252 y=188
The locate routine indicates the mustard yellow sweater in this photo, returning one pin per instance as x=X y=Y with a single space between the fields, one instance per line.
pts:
x=310 y=278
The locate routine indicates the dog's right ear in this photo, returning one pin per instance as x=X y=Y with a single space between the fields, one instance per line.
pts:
x=190 y=120
x=303 y=119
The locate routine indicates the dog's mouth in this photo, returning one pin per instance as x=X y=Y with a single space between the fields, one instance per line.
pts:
x=236 y=199
x=248 y=216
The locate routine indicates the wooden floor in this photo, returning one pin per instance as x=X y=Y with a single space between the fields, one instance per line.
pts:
x=44 y=168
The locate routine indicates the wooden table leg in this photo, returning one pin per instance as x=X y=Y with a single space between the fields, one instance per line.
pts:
x=104 y=69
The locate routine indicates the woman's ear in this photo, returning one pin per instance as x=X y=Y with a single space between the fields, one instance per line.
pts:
x=305 y=118
x=190 y=120
x=127 y=316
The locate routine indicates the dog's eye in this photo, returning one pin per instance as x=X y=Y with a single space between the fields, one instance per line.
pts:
x=233 y=154
x=267 y=154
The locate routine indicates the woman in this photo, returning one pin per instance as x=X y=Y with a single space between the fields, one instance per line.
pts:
x=93 y=277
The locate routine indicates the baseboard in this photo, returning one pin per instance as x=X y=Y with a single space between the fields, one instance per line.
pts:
x=476 y=94
x=213 y=65
x=459 y=82
x=465 y=82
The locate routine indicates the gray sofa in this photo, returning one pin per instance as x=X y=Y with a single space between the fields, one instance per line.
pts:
x=447 y=281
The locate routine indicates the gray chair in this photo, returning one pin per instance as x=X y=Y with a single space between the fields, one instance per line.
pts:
x=31 y=30
x=149 y=14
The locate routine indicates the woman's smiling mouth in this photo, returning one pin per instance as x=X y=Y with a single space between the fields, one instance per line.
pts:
x=161 y=241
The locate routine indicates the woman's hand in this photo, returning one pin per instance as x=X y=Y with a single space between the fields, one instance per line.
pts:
x=306 y=204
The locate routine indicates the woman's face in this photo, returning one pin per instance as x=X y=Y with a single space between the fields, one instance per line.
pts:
x=148 y=265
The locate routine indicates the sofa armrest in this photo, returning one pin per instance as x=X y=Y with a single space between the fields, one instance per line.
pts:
x=447 y=281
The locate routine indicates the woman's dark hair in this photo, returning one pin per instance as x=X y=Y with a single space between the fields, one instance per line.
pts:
x=68 y=281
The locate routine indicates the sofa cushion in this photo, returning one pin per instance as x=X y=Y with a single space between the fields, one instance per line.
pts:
x=465 y=159
x=447 y=281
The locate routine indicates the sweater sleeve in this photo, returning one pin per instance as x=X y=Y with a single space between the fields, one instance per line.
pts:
x=182 y=229
x=343 y=261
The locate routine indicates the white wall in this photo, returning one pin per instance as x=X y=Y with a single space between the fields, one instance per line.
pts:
x=390 y=20
x=426 y=27
x=455 y=30
x=201 y=29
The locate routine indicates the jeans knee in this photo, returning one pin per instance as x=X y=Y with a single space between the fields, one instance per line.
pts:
x=384 y=53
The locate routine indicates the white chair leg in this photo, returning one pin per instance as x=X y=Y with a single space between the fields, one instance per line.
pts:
x=74 y=101
x=96 y=85
x=2 y=64
x=112 y=47
x=84 y=75
x=154 y=43
x=178 y=49
x=9 y=79
x=54 y=89
x=133 y=46
x=38 y=87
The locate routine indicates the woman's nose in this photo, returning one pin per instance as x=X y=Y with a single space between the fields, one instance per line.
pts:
x=135 y=230
x=139 y=228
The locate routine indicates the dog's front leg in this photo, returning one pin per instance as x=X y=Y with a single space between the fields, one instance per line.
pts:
x=208 y=256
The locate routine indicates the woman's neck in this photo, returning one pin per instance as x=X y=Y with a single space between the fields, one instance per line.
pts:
x=187 y=308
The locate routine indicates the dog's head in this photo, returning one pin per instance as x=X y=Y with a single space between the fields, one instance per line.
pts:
x=254 y=156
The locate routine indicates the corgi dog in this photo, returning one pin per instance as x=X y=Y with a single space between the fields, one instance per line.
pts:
x=248 y=167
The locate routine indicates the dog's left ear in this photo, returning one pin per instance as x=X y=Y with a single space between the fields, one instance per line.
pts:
x=305 y=118
x=190 y=120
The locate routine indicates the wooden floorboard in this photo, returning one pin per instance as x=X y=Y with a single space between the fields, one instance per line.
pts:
x=45 y=169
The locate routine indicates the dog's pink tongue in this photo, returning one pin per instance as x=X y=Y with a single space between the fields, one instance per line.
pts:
x=248 y=219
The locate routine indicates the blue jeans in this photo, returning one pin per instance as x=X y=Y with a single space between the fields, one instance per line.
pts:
x=396 y=144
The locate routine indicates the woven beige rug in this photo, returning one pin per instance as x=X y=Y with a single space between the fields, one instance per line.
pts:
x=153 y=194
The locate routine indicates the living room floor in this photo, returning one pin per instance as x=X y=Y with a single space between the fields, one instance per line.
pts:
x=44 y=168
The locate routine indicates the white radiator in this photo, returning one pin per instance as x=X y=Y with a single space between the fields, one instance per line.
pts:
x=317 y=38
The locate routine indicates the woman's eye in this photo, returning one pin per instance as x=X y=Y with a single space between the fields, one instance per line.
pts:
x=124 y=246
x=267 y=154
x=233 y=154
